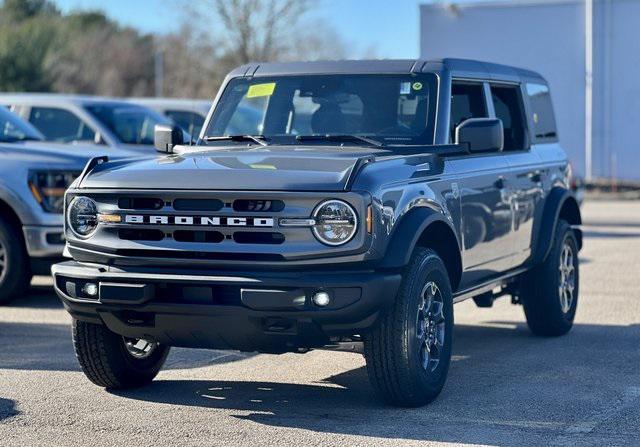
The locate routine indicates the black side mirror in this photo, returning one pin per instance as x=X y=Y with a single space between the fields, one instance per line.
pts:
x=481 y=134
x=166 y=137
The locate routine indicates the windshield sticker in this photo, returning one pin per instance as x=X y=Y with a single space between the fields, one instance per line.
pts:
x=257 y=90
x=405 y=88
x=417 y=86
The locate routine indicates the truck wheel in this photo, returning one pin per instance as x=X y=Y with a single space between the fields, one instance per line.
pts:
x=549 y=292
x=15 y=274
x=115 y=362
x=409 y=352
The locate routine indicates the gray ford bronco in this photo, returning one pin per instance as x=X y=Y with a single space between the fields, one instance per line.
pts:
x=356 y=200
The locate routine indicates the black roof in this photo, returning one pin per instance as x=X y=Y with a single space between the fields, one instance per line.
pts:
x=456 y=67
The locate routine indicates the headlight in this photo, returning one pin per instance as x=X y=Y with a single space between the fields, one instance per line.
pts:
x=48 y=188
x=336 y=222
x=82 y=216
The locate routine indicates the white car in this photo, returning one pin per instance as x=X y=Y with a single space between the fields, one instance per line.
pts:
x=87 y=119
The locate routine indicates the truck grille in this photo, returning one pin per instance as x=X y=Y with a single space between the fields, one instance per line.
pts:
x=205 y=225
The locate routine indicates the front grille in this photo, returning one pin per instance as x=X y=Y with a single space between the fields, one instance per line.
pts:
x=213 y=237
x=169 y=226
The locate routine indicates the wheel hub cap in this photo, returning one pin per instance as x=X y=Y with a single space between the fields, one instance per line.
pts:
x=139 y=348
x=567 y=277
x=430 y=326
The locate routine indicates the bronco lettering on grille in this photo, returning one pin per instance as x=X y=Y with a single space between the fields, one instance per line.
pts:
x=200 y=220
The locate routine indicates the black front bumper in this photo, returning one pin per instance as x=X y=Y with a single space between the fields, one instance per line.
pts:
x=250 y=311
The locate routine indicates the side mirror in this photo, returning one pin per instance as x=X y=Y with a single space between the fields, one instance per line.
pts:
x=481 y=134
x=166 y=137
x=99 y=139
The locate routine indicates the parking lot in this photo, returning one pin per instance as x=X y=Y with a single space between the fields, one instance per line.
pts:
x=505 y=387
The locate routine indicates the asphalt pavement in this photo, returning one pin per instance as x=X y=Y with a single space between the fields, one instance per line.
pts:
x=505 y=387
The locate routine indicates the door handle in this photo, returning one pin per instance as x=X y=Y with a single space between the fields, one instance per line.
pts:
x=499 y=183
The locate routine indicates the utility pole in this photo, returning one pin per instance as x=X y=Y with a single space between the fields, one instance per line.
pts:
x=159 y=72
x=588 y=88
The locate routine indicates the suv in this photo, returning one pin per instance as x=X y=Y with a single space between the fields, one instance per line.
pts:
x=186 y=113
x=368 y=198
x=107 y=123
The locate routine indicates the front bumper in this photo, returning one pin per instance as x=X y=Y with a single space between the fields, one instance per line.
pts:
x=44 y=241
x=250 y=311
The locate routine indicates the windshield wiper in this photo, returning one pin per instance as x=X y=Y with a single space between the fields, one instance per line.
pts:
x=259 y=139
x=346 y=137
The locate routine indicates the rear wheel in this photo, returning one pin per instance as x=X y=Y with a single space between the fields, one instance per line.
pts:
x=112 y=361
x=15 y=274
x=409 y=352
x=549 y=293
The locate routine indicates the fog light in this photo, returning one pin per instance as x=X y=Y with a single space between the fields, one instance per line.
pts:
x=90 y=289
x=321 y=299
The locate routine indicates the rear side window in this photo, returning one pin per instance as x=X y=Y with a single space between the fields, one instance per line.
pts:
x=60 y=125
x=544 y=122
x=507 y=102
x=467 y=101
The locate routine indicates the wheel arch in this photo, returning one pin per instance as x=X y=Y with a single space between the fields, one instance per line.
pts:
x=8 y=213
x=425 y=228
x=560 y=204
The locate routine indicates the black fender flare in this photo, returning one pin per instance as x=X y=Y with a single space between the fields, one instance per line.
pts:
x=407 y=233
x=560 y=201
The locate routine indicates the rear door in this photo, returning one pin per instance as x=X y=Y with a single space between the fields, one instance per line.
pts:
x=525 y=174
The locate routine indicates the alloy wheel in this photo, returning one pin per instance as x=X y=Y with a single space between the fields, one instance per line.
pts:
x=139 y=347
x=567 y=277
x=431 y=326
x=3 y=261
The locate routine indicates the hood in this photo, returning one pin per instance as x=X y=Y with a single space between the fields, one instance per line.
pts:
x=273 y=168
x=32 y=156
x=89 y=150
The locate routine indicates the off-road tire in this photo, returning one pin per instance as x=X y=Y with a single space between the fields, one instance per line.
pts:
x=107 y=363
x=540 y=288
x=15 y=274
x=392 y=349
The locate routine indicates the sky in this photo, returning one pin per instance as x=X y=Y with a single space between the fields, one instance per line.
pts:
x=389 y=27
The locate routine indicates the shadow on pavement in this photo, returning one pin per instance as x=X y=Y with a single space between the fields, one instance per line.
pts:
x=610 y=234
x=7 y=409
x=48 y=347
x=504 y=385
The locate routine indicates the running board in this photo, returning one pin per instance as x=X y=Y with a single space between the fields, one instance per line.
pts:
x=488 y=286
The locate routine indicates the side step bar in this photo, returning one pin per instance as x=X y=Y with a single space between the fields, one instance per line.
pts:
x=488 y=286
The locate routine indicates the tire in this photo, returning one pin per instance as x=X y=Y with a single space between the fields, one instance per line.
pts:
x=15 y=274
x=548 y=306
x=394 y=353
x=107 y=362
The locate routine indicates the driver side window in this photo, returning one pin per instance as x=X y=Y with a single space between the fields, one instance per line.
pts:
x=467 y=101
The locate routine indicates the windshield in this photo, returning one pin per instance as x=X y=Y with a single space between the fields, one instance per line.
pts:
x=131 y=124
x=390 y=109
x=13 y=129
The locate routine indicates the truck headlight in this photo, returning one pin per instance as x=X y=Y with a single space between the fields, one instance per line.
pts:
x=336 y=222
x=82 y=216
x=48 y=188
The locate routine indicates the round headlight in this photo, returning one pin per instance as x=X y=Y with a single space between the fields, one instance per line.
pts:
x=336 y=222
x=82 y=216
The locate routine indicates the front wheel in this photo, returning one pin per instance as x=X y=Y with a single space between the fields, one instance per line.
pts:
x=15 y=274
x=116 y=362
x=549 y=293
x=409 y=352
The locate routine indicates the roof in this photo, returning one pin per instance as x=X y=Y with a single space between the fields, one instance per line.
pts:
x=386 y=66
x=195 y=105
x=53 y=98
